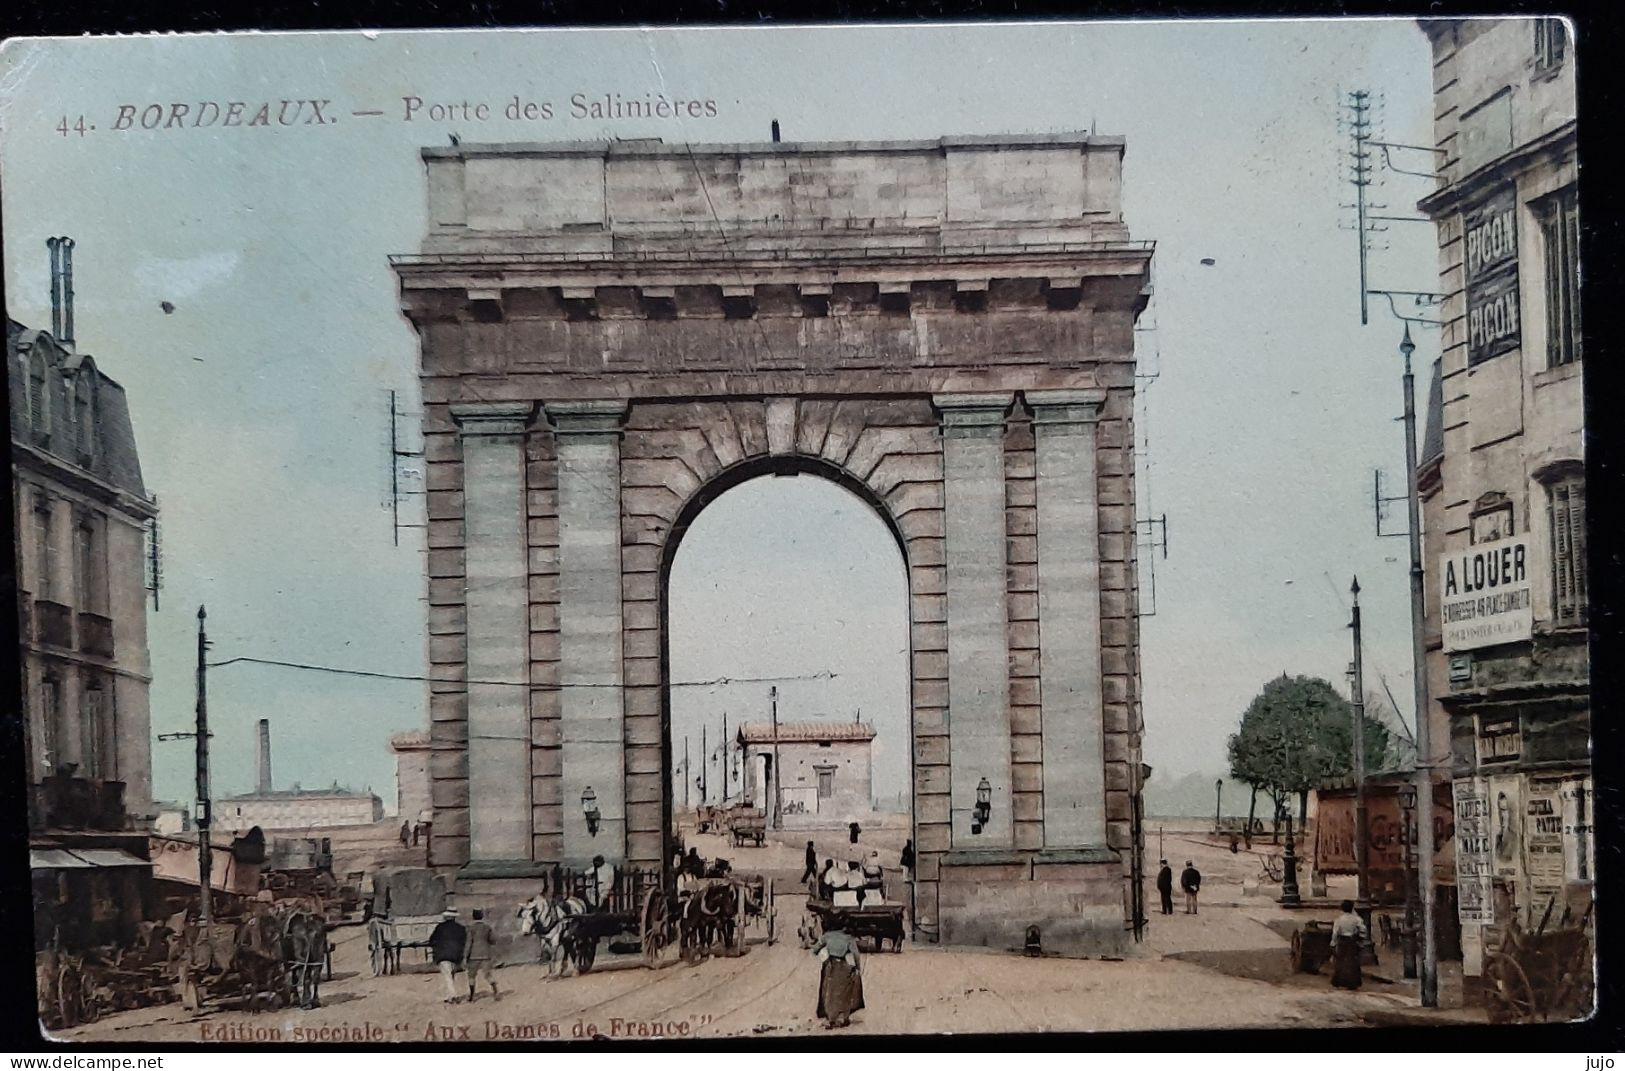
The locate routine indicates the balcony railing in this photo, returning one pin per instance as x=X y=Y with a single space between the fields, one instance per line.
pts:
x=54 y=623
x=96 y=635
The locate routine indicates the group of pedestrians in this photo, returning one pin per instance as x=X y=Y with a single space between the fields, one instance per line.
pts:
x=1190 y=883
x=470 y=949
x=411 y=831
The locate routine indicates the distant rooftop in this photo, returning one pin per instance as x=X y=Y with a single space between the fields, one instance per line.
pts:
x=331 y=792
x=754 y=732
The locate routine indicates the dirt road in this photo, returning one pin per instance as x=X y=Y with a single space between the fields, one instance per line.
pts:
x=771 y=990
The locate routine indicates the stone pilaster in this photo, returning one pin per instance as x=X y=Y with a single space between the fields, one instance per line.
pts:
x=1071 y=698
x=495 y=581
x=978 y=674
x=592 y=714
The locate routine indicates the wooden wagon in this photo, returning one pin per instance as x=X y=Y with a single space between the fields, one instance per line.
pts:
x=407 y=904
x=1540 y=975
x=237 y=959
x=748 y=824
x=877 y=924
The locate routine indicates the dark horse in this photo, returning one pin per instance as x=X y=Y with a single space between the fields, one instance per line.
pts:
x=304 y=948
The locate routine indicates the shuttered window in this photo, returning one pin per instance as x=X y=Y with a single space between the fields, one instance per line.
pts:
x=51 y=719
x=1551 y=43
x=1560 y=238
x=45 y=548
x=39 y=413
x=92 y=747
x=1568 y=521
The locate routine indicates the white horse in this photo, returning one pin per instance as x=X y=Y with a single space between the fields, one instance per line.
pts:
x=551 y=921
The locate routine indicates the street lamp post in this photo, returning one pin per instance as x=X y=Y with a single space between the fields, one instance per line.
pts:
x=1424 y=752
x=1218 y=806
x=1289 y=868
x=1362 y=899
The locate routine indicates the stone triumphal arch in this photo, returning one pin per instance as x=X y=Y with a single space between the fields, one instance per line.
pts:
x=614 y=333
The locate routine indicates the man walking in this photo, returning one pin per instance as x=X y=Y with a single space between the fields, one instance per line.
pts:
x=811 y=870
x=406 y=834
x=479 y=955
x=1190 y=881
x=1165 y=887
x=446 y=945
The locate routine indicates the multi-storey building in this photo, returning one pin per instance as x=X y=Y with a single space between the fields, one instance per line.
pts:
x=1503 y=479
x=82 y=518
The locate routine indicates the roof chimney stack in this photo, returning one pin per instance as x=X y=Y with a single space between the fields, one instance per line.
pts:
x=263 y=757
x=61 y=289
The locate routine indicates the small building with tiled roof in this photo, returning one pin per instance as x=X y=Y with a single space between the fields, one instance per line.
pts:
x=826 y=767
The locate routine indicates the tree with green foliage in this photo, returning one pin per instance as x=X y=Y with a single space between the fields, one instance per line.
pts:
x=1295 y=735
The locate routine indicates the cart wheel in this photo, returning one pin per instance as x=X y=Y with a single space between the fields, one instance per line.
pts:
x=1511 y=997
x=656 y=929
x=1273 y=867
x=586 y=956
x=67 y=994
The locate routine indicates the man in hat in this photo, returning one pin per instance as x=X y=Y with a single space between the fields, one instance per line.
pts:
x=478 y=955
x=1165 y=887
x=811 y=870
x=447 y=944
x=1190 y=880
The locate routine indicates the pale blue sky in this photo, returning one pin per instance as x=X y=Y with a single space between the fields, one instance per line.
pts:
x=258 y=403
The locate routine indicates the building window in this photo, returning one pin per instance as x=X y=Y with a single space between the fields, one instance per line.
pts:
x=89 y=576
x=45 y=549
x=1566 y=506
x=37 y=399
x=92 y=739
x=1560 y=244
x=84 y=424
x=1551 y=43
x=50 y=719
x=1491 y=520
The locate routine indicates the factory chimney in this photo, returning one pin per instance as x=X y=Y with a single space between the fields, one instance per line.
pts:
x=263 y=757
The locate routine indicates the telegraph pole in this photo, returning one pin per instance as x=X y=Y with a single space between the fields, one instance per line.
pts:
x=778 y=797
x=1424 y=752
x=705 y=769
x=204 y=851
x=724 y=758
x=1362 y=902
x=686 y=774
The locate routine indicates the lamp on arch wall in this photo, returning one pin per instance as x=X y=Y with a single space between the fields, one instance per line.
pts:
x=589 y=809
x=984 y=806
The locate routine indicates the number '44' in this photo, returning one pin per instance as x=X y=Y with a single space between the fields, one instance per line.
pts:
x=77 y=128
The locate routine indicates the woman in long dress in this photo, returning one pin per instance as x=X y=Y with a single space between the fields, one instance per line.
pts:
x=840 y=981
x=1348 y=937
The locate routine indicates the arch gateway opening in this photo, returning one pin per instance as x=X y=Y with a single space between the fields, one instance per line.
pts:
x=612 y=332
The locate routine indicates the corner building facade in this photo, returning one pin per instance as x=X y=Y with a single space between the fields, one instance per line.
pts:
x=1502 y=479
x=613 y=335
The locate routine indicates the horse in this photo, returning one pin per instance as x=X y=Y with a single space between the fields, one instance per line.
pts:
x=305 y=946
x=553 y=921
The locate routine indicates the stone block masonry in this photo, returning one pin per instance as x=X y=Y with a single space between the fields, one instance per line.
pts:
x=613 y=335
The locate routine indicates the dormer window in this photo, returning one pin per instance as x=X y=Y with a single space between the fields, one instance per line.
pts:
x=1551 y=44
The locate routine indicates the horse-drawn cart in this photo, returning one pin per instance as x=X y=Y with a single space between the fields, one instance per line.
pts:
x=649 y=914
x=877 y=923
x=407 y=904
x=748 y=824
x=268 y=957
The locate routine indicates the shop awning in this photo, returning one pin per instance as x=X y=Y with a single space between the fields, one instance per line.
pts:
x=81 y=858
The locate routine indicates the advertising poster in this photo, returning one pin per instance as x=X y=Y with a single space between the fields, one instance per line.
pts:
x=1474 y=840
